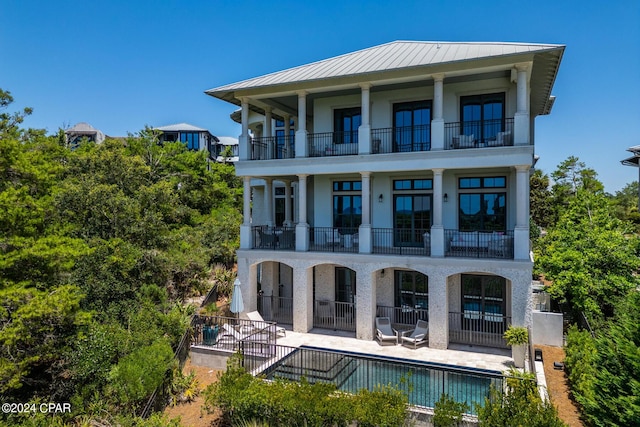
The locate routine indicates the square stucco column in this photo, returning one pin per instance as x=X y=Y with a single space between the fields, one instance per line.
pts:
x=438 y=312
x=248 y=276
x=365 y=305
x=302 y=299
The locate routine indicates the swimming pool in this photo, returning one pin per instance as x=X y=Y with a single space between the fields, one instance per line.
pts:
x=423 y=382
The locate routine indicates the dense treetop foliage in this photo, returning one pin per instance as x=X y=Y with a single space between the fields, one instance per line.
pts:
x=590 y=254
x=99 y=247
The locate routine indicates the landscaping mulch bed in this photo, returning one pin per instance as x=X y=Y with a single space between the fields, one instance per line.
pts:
x=558 y=386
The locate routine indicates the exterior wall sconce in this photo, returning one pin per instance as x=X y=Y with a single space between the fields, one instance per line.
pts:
x=445 y=198
x=380 y=198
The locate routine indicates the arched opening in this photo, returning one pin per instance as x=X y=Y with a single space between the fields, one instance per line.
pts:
x=275 y=292
x=403 y=296
x=334 y=297
x=479 y=309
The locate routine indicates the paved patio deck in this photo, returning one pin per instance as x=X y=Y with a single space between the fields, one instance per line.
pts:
x=460 y=355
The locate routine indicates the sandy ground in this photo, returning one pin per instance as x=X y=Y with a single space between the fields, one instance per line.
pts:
x=558 y=387
x=192 y=414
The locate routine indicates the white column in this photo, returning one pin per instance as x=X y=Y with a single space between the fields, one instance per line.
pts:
x=301 y=133
x=364 y=231
x=521 y=119
x=438 y=311
x=521 y=231
x=302 y=299
x=268 y=200
x=366 y=305
x=246 y=237
x=437 y=123
x=364 y=131
x=268 y=117
x=437 y=229
x=287 y=204
x=244 y=150
x=302 y=228
x=288 y=147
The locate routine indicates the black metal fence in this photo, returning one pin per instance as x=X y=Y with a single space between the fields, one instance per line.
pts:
x=401 y=241
x=334 y=239
x=422 y=382
x=274 y=238
x=478 y=328
x=276 y=309
x=272 y=147
x=332 y=144
x=478 y=133
x=403 y=317
x=334 y=315
x=479 y=244
x=226 y=333
x=401 y=139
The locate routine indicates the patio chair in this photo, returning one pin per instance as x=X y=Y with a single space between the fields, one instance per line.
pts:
x=384 y=331
x=259 y=323
x=417 y=336
x=268 y=240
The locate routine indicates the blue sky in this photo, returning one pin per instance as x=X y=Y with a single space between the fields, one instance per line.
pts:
x=121 y=65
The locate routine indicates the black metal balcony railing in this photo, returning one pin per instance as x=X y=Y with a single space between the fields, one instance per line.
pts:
x=401 y=139
x=334 y=239
x=401 y=241
x=274 y=238
x=334 y=315
x=226 y=333
x=272 y=147
x=404 y=317
x=477 y=134
x=478 y=328
x=332 y=144
x=479 y=244
x=276 y=309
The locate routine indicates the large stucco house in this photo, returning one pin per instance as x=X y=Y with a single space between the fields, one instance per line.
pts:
x=393 y=181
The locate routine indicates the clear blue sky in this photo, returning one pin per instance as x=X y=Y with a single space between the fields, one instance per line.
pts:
x=121 y=65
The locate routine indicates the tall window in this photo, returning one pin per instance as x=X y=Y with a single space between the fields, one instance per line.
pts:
x=481 y=207
x=346 y=124
x=411 y=122
x=280 y=201
x=192 y=139
x=482 y=115
x=285 y=142
x=345 y=284
x=347 y=205
x=411 y=211
x=411 y=289
x=483 y=298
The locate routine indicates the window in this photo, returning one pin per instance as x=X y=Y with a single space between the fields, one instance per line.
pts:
x=345 y=285
x=482 y=115
x=485 y=210
x=280 y=201
x=347 y=205
x=192 y=139
x=411 y=211
x=170 y=136
x=285 y=143
x=483 y=299
x=346 y=124
x=411 y=123
x=411 y=289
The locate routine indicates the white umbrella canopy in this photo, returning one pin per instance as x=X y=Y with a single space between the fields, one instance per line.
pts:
x=237 y=305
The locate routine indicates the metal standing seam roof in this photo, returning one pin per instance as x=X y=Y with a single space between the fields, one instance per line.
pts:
x=391 y=56
x=181 y=127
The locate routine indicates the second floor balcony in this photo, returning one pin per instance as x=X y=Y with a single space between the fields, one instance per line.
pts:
x=456 y=135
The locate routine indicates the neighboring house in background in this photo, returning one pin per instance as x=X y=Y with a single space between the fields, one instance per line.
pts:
x=226 y=150
x=410 y=163
x=81 y=131
x=196 y=138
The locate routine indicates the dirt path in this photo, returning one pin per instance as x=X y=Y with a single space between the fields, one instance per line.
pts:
x=192 y=414
x=558 y=387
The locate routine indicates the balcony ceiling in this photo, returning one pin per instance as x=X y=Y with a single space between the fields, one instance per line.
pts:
x=398 y=64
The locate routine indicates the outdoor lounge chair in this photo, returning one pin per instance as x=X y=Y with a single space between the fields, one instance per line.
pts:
x=417 y=336
x=259 y=323
x=384 y=331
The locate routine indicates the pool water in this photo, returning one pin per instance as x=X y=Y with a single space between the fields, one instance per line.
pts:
x=423 y=383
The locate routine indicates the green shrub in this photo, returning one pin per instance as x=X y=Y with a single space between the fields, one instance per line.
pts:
x=448 y=412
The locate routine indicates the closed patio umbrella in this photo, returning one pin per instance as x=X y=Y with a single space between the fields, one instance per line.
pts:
x=237 y=306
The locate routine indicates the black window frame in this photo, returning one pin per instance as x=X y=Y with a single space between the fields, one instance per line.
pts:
x=342 y=135
x=483 y=128
x=486 y=222
x=421 y=143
